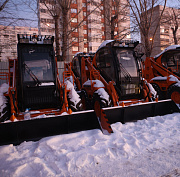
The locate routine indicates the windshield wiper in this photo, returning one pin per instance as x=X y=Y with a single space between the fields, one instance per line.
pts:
x=125 y=73
x=33 y=76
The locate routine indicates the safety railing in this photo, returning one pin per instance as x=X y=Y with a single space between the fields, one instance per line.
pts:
x=4 y=77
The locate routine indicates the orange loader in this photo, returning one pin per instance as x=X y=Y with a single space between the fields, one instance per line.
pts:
x=163 y=72
x=111 y=84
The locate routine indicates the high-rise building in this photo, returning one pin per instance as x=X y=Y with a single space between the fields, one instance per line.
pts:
x=8 y=40
x=90 y=23
x=164 y=34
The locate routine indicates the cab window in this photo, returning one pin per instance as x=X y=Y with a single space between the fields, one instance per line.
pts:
x=171 y=60
x=76 y=67
x=105 y=63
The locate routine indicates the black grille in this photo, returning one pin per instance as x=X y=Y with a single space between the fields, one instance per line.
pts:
x=40 y=97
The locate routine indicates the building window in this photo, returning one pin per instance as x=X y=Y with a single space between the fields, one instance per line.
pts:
x=43 y=20
x=128 y=36
x=43 y=10
x=74 y=20
x=162 y=30
x=84 y=22
x=75 y=49
x=73 y=10
x=85 y=31
x=85 y=41
x=74 y=30
x=74 y=2
x=84 y=4
x=166 y=30
x=115 y=32
x=49 y=20
x=84 y=13
x=43 y=29
x=85 y=49
x=74 y=39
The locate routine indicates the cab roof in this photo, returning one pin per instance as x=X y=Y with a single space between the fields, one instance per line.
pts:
x=119 y=43
x=171 y=47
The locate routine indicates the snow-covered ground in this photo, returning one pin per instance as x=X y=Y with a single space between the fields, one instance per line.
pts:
x=149 y=147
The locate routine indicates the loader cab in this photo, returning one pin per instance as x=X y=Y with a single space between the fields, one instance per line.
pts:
x=37 y=72
x=171 y=59
x=117 y=62
x=76 y=62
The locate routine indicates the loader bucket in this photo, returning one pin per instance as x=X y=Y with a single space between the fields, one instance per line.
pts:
x=140 y=111
x=35 y=129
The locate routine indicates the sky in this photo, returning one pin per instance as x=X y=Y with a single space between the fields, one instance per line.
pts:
x=19 y=13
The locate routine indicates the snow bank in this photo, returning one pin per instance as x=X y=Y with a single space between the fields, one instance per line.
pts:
x=148 y=147
x=4 y=88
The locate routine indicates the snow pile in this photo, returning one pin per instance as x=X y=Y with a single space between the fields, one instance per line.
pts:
x=103 y=94
x=97 y=83
x=172 y=47
x=4 y=88
x=152 y=90
x=148 y=147
x=73 y=96
x=171 y=78
x=46 y=83
x=159 y=78
x=104 y=44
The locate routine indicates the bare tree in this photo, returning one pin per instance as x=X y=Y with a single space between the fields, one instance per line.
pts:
x=115 y=13
x=54 y=10
x=65 y=7
x=3 y=4
x=60 y=11
x=142 y=15
x=171 y=18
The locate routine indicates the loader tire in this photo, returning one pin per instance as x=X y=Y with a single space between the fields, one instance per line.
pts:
x=173 y=92
x=86 y=103
x=158 y=90
x=5 y=114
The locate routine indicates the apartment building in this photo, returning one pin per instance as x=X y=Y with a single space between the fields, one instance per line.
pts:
x=8 y=40
x=164 y=35
x=90 y=23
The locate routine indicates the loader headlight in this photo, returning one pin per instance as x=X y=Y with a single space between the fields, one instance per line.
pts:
x=34 y=40
x=39 y=39
x=125 y=43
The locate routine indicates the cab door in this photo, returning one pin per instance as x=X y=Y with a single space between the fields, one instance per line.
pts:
x=105 y=64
